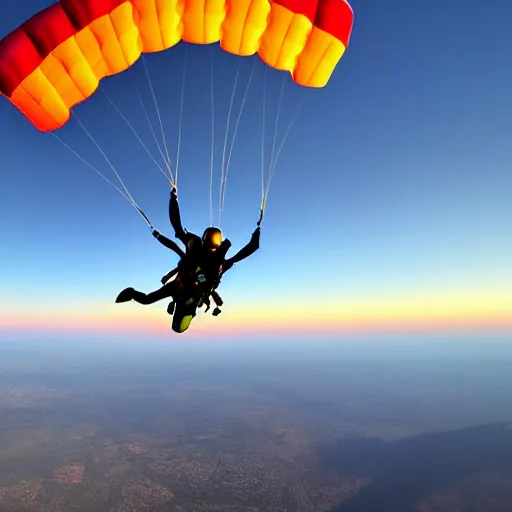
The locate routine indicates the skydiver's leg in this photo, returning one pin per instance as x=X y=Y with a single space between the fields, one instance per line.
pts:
x=205 y=301
x=151 y=298
x=217 y=298
x=218 y=302
x=165 y=291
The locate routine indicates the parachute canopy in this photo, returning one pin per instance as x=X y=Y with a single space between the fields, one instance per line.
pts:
x=56 y=59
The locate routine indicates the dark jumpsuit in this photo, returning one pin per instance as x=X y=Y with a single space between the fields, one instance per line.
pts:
x=212 y=265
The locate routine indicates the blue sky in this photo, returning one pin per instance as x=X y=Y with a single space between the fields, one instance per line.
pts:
x=395 y=179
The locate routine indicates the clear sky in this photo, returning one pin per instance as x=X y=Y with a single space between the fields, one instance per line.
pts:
x=390 y=206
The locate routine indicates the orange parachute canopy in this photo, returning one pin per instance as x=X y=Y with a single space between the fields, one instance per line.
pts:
x=56 y=59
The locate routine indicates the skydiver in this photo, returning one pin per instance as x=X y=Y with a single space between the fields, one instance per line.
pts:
x=189 y=273
x=205 y=254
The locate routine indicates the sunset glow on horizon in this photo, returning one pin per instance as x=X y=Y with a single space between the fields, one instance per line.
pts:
x=450 y=313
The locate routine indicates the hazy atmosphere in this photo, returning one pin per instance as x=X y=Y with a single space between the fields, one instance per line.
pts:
x=346 y=425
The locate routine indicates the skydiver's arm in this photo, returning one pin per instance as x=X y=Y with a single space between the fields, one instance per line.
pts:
x=169 y=275
x=244 y=252
x=175 y=217
x=168 y=243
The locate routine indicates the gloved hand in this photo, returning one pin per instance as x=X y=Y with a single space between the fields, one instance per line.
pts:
x=174 y=192
x=155 y=233
x=256 y=233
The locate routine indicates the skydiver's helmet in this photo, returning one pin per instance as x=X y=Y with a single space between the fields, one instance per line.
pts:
x=212 y=238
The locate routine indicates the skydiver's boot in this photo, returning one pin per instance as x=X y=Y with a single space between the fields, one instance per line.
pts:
x=170 y=308
x=216 y=312
x=126 y=295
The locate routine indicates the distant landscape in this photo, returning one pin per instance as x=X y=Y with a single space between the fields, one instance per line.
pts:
x=283 y=428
